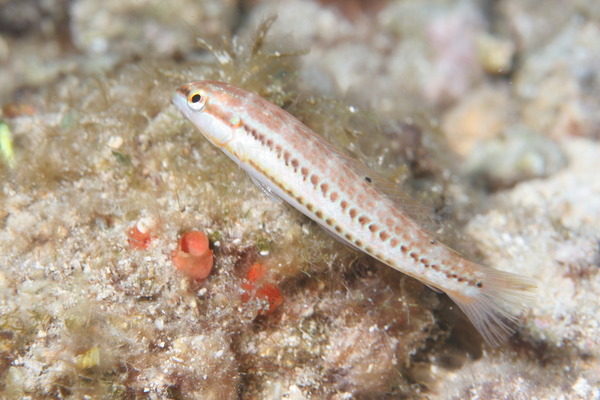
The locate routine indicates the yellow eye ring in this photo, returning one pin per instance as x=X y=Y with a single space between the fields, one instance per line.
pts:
x=196 y=100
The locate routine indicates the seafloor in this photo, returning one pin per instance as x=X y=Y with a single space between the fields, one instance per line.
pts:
x=486 y=111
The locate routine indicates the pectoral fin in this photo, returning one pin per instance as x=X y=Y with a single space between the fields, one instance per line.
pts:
x=265 y=189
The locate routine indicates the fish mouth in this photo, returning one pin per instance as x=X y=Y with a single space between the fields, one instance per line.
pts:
x=179 y=99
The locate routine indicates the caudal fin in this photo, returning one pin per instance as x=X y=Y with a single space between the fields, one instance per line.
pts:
x=496 y=306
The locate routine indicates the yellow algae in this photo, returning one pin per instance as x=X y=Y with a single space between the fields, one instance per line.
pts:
x=89 y=359
x=6 y=144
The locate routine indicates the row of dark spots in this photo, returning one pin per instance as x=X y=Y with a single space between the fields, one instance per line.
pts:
x=305 y=173
x=324 y=186
x=450 y=275
x=383 y=235
x=286 y=155
x=314 y=180
x=269 y=143
x=423 y=261
x=334 y=196
x=309 y=206
x=394 y=242
x=363 y=220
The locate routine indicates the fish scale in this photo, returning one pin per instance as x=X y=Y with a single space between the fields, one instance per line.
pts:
x=288 y=160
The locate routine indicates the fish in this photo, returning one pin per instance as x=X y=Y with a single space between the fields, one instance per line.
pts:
x=289 y=161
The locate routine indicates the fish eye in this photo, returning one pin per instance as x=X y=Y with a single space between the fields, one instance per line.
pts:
x=196 y=101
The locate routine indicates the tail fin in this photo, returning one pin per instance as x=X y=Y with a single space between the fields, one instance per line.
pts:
x=495 y=309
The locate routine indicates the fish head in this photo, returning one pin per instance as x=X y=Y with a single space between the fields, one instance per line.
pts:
x=204 y=103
